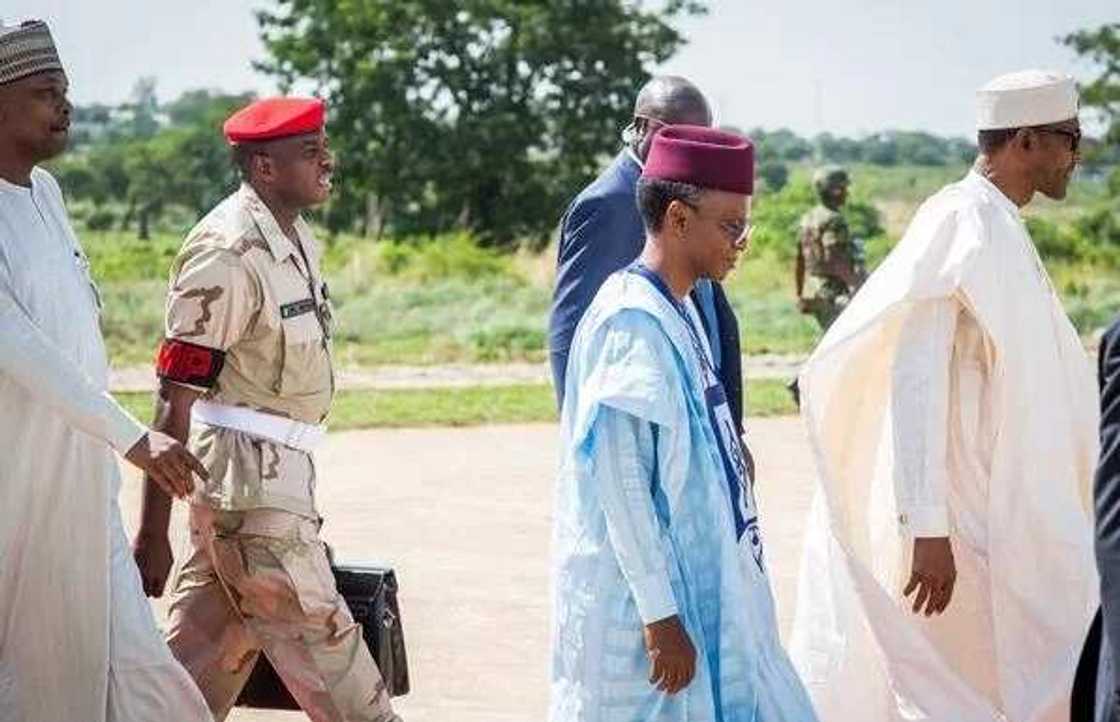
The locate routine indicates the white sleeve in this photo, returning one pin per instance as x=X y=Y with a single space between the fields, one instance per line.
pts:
x=920 y=413
x=624 y=458
x=30 y=358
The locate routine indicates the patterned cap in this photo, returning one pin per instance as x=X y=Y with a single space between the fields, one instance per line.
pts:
x=25 y=50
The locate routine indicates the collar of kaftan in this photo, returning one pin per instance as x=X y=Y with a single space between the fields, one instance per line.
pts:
x=9 y=187
x=990 y=189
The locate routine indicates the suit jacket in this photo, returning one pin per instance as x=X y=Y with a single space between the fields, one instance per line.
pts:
x=602 y=232
x=1097 y=676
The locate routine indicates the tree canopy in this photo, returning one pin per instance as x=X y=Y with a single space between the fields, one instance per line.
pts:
x=481 y=114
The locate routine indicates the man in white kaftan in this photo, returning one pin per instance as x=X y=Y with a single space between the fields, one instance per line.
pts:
x=78 y=642
x=662 y=608
x=952 y=411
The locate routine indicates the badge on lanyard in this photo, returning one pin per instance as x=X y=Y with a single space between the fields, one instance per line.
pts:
x=743 y=511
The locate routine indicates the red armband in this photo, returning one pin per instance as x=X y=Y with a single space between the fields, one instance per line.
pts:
x=188 y=363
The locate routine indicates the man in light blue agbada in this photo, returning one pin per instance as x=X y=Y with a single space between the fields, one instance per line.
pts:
x=662 y=608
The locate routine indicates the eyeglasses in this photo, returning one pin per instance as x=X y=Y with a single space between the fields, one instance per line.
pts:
x=654 y=123
x=736 y=232
x=630 y=132
x=1073 y=135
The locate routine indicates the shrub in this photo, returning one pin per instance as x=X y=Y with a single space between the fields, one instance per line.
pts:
x=455 y=255
x=101 y=219
x=777 y=217
x=504 y=343
x=775 y=175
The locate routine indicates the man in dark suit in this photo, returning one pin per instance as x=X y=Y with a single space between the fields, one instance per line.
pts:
x=601 y=232
x=1097 y=685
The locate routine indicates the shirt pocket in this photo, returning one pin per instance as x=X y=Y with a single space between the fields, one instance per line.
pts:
x=67 y=276
x=297 y=313
x=84 y=272
x=306 y=369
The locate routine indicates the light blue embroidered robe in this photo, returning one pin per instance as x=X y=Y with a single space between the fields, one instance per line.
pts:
x=644 y=530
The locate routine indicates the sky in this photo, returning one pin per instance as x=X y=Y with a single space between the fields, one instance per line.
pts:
x=849 y=67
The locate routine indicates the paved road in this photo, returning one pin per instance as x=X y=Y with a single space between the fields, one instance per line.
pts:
x=464 y=516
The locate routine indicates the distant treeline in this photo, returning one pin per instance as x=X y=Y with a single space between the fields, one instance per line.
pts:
x=143 y=163
x=484 y=117
x=888 y=148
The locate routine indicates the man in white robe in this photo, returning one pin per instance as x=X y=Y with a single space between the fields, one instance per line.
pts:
x=952 y=411
x=78 y=642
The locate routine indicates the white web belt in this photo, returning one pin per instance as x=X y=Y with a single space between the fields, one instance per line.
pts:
x=288 y=432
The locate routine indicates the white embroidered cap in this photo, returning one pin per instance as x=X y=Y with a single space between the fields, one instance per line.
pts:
x=1026 y=98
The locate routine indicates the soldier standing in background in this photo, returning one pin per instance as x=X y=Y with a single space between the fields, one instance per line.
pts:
x=826 y=252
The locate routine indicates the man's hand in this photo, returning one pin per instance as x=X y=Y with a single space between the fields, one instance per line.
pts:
x=671 y=655
x=153 y=558
x=934 y=574
x=166 y=462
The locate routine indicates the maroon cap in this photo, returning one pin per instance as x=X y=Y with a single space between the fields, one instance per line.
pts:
x=703 y=157
x=274 y=118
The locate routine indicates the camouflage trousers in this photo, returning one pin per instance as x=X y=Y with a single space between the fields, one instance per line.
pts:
x=260 y=580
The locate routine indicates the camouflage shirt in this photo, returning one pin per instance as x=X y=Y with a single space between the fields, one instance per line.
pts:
x=825 y=241
x=241 y=286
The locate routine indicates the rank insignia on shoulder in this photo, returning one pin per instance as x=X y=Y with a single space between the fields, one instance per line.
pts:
x=189 y=363
x=297 y=308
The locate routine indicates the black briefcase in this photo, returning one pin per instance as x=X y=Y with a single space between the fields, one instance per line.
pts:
x=371 y=594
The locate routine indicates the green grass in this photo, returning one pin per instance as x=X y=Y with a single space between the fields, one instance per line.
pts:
x=474 y=406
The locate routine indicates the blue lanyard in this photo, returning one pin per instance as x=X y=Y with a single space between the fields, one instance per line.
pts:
x=658 y=282
x=715 y=397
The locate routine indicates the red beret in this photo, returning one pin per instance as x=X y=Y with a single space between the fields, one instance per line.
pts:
x=703 y=157
x=274 y=118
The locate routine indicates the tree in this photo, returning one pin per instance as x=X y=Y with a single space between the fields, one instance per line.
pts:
x=204 y=107
x=780 y=145
x=775 y=174
x=145 y=106
x=482 y=114
x=1102 y=47
x=830 y=149
x=881 y=149
x=186 y=164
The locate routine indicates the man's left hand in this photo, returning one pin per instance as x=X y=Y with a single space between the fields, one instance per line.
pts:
x=933 y=575
x=153 y=558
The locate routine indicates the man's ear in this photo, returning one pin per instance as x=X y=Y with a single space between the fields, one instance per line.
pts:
x=676 y=218
x=263 y=168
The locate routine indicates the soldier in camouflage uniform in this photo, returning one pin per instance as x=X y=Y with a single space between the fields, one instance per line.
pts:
x=247 y=358
x=830 y=264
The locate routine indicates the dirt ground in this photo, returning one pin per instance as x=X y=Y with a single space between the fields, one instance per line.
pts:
x=464 y=517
